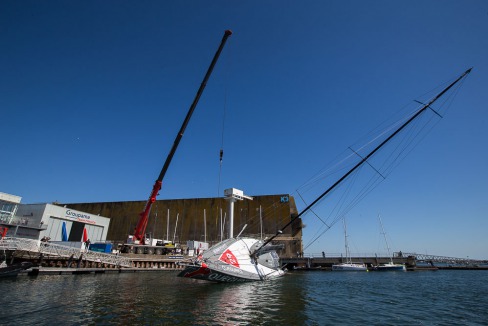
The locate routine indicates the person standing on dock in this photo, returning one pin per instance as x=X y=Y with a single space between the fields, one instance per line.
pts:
x=87 y=245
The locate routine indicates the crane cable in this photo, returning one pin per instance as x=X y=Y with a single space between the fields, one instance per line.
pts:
x=221 y=153
x=226 y=83
x=221 y=156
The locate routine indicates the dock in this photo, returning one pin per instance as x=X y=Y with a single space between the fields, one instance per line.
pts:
x=412 y=261
x=80 y=271
x=53 y=259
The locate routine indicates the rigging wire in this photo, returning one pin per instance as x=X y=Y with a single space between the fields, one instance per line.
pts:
x=411 y=139
x=407 y=144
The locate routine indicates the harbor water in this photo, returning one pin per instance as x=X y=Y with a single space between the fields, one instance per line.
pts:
x=299 y=298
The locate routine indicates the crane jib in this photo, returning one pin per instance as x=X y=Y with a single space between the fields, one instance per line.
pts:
x=140 y=229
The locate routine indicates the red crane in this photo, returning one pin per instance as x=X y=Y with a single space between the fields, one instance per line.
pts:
x=140 y=230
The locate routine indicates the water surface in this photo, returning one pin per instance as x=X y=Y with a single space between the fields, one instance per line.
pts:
x=299 y=298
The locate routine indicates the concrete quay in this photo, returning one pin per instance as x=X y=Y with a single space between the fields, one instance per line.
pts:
x=80 y=271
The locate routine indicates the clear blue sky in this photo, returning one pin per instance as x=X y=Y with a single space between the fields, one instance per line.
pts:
x=92 y=94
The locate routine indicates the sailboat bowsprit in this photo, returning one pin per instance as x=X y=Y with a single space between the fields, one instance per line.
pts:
x=248 y=259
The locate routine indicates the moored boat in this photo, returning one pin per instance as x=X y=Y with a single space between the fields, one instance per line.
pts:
x=14 y=269
x=390 y=266
x=348 y=266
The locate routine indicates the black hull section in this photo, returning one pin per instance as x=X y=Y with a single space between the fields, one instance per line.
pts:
x=207 y=274
x=14 y=270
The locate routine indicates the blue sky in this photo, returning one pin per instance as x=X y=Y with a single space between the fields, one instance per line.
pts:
x=92 y=94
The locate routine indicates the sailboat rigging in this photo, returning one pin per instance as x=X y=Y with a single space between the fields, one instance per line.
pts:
x=248 y=259
x=349 y=265
x=366 y=157
x=390 y=266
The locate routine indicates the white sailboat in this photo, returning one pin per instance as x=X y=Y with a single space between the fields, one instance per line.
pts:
x=390 y=266
x=348 y=266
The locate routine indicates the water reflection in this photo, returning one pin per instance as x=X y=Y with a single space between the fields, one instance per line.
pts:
x=310 y=298
x=279 y=300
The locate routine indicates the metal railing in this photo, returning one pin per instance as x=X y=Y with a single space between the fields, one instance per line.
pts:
x=52 y=249
x=446 y=260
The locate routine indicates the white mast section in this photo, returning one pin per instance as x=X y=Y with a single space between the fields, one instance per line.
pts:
x=205 y=224
x=167 y=227
x=176 y=226
x=232 y=195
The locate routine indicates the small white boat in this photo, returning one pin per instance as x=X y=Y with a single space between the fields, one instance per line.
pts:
x=348 y=266
x=390 y=266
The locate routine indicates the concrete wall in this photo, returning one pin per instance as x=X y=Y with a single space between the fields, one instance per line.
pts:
x=276 y=212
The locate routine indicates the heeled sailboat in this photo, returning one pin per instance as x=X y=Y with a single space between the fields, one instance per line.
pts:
x=240 y=259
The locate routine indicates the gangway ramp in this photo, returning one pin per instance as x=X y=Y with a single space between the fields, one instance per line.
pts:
x=425 y=258
x=47 y=248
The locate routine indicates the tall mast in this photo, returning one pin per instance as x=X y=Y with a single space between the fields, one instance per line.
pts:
x=386 y=240
x=363 y=160
x=346 y=245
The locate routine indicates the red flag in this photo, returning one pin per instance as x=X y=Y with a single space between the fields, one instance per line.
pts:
x=85 y=235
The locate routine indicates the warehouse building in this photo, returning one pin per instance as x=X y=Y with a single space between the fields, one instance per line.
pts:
x=59 y=223
x=204 y=219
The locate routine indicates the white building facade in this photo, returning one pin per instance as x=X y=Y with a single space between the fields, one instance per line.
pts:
x=36 y=221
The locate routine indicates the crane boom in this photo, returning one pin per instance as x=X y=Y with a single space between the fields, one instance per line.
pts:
x=140 y=228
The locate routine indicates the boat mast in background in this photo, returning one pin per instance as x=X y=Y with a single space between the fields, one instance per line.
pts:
x=390 y=266
x=386 y=240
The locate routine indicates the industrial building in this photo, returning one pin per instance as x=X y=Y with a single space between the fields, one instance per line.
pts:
x=59 y=223
x=177 y=220
x=203 y=219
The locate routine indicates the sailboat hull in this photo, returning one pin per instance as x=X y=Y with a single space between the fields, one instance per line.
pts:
x=390 y=268
x=230 y=261
x=213 y=275
x=349 y=267
x=13 y=270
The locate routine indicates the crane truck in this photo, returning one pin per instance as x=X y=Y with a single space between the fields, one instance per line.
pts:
x=138 y=243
